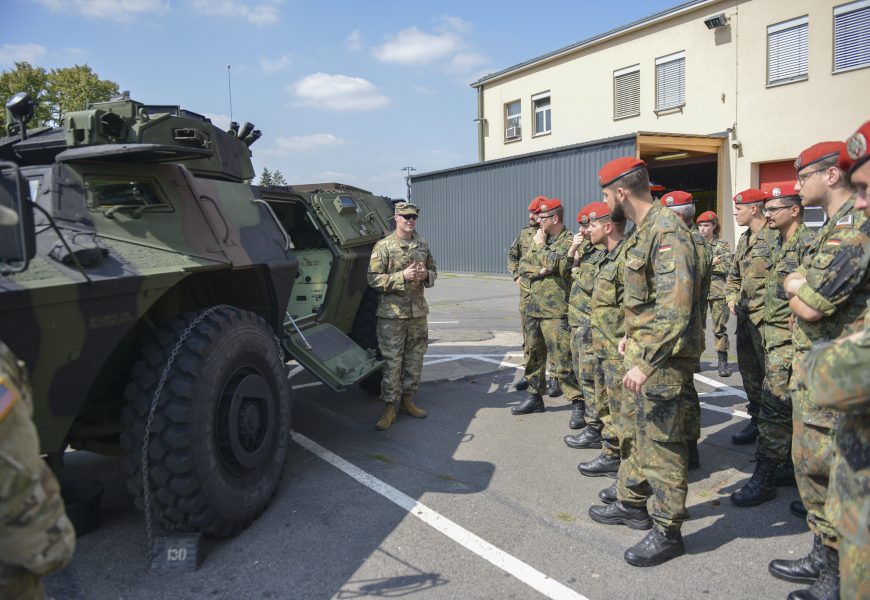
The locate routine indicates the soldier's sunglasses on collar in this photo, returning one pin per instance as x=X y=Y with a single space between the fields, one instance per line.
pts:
x=409 y=217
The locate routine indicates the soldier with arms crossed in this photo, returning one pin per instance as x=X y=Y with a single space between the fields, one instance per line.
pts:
x=708 y=225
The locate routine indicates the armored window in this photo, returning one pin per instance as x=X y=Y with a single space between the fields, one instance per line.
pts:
x=107 y=193
x=671 y=81
x=852 y=36
x=787 y=51
x=541 y=102
x=626 y=92
x=513 y=121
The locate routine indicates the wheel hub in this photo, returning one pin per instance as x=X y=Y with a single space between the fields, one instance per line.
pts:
x=244 y=420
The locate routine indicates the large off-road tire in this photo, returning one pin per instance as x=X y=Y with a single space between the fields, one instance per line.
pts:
x=365 y=333
x=221 y=429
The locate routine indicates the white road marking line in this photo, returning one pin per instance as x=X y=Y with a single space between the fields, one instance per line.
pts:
x=306 y=385
x=718 y=394
x=502 y=363
x=501 y=559
x=442 y=322
x=295 y=371
x=442 y=360
x=727 y=411
x=721 y=386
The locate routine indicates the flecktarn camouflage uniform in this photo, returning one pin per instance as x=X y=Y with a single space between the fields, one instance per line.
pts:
x=719 y=312
x=703 y=274
x=515 y=253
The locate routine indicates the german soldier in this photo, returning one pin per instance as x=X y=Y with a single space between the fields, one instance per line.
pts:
x=708 y=225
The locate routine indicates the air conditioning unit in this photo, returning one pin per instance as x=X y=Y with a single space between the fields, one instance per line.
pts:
x=716 y=21
x=512 y=132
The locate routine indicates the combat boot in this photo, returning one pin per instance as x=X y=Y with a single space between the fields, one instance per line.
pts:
x=803 y=570
x=761 y=487
x=797 y=508
x=554 y=390
x=522 y=385
x=588 y=438
x=657 y=547
x=602 y=465
x=608 y=494
x=388 y=418
x=617 y=513
x=694 y=457
x=411 y=409
x=532 y=404
x=724 y=371
x=578 y=411
x=827 y=586
x=747 y=435
x=785 y=475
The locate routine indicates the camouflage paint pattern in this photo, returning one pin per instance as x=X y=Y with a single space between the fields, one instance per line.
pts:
x=403 y=344
x=550 y=338
x=704 y=271
x=787 y=257
x=587 y=386
x=36 y=537
x=719 y=313
x=515 y=253
x=398 y=298
x=583 y=276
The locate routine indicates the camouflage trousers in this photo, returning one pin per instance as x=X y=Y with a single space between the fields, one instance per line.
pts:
x=750 y=360
x=692 y=411
x=719 y=315
x=403 y=344
x=550 y=338
x=583 y=362
x=848 y=507
x=774 y=419
x=524 y=304
x=608 y=386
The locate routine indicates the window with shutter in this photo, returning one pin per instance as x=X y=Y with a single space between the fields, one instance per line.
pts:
x=626 y=92
x=671 y=81
x=787 y=56
x=852 y=36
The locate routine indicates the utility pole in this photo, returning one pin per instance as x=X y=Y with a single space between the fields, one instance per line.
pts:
x=407 y=171
x=230 y=88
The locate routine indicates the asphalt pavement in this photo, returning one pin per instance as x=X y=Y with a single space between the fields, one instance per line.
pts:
x=471 y=502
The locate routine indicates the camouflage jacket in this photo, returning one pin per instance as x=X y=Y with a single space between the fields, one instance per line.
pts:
x=548 y=294
x=786 y=259
x=515 y=253
x=608 y=314
x=703 y=273
x=397 y=298
x=660 y=292
x=718 y=272
x=837 y=282
x=752 y=261
x=582 y=281
x=36 y=537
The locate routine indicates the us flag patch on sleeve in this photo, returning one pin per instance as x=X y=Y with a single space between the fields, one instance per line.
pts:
x=8 y=396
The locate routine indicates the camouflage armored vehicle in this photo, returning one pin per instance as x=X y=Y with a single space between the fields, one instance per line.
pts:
x=165 y=295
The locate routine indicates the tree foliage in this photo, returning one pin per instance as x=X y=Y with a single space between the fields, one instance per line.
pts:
x=268 y=178
x=278 y=178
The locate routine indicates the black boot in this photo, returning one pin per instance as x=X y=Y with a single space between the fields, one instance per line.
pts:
x=657 y=547
x=724 y=371
x=589 y=437
x=578 y=410
x=608 y=494
x=827 y=586
x=522 y=385
x=554 y=390
x=532 y=404
x=785 y=475
x=761 y=487
x=617 y=513
x=747 y=435
x=602 y=465
x=694 y=457
x=802 y=570
x=797 y=508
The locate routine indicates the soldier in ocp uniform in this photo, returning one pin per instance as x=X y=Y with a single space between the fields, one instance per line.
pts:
x=401 y=266
x=745 y=298
x=708 y=225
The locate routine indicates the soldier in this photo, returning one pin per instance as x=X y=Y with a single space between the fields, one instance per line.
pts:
x=708 y=225
x=827 y=295
x=547 y=266
x=784 y=214
x=579 y=245
x=515 y=253
x=661 y=292
x=400 y=267
x=745 y=298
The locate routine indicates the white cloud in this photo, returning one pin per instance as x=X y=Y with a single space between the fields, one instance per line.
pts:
x=467 y=61
x=338 y=92
x=455 y=23
x=354 y=41
x=309 y=142
x=220 y=121
x=13 y=53
x=274 y=65
x=123 y=11
x=414 y=47
x=264 y=13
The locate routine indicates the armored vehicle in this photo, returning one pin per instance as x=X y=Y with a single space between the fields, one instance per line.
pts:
x=164 y=296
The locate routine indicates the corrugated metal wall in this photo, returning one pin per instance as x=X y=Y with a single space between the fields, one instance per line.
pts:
x=471 y=215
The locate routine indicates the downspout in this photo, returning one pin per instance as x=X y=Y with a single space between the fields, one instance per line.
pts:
x=481 y=126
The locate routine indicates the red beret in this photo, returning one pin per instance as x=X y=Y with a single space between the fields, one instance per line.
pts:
x=655 y=187
x=619 y=168
x=749 y=196
x=706 y=217
x=818 y=152
x=583 y=215
x=533 y=205
x=677 y=198
x=856 y=148
x=597 y=210
x=549 y=204
x=779 y=189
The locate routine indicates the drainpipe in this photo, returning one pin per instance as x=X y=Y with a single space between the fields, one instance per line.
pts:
x=481 y=126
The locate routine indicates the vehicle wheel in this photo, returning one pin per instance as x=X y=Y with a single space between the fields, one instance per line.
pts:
x=365 y=333
x=221 y=429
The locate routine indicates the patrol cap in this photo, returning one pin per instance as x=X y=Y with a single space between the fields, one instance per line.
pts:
x=534 y=204
x=8 y=217
x=583 y=215
x=855 y=150
x=749 y=196
x=677 y=198
x=597 y=210
x=780 y=189
x=549 y=204
x=406 y=208
x=708 y=216
x=619 y=168
x=818 y=152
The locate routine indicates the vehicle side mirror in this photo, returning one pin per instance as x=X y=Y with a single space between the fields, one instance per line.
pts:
x=17 y=235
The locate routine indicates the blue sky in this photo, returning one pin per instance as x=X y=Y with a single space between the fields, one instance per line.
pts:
x=343 y=91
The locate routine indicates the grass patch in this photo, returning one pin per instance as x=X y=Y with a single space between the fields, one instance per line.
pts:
x=565 y=517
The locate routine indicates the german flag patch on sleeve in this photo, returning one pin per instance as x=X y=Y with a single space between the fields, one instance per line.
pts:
x=8 y=396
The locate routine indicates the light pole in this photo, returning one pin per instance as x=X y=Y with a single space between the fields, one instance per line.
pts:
x=407 y=171
x=230 y=88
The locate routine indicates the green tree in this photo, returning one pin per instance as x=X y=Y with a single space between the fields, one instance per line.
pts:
x=73 y=88
x=265 y=178
x=278 y=178
x=26 y=78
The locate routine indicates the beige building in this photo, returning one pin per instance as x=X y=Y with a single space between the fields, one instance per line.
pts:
x=721 y=94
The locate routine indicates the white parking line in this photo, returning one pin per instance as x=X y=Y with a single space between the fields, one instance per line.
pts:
x=501 y=559
x=443 y=322
x=722 y=386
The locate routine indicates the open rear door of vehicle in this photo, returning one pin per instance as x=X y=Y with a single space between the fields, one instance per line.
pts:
x=330 y=355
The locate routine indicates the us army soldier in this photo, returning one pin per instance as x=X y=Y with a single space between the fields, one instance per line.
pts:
x=708 y=225
x=401 y=266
